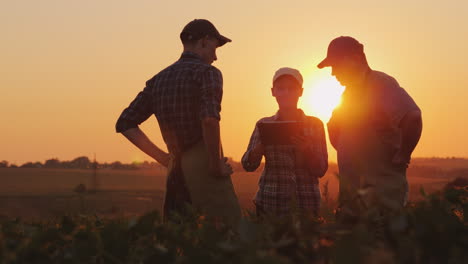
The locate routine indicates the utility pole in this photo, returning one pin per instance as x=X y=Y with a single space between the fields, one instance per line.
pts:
x=95 y=183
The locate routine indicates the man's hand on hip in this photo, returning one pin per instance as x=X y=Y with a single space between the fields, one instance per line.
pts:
x=221 y=169
x=139 y=139
x=401 y=159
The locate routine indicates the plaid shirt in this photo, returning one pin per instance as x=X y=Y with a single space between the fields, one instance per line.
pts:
x=282 y=181
x=180 y=96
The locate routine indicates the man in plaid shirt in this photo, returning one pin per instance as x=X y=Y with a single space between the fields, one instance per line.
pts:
x=291 y=173
x=186 y=100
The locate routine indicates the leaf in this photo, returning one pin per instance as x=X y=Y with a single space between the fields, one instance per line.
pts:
x=247 y=231
x=398 y=223
x=67 y=225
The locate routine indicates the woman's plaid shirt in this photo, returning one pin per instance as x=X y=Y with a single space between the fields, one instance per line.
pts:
x=283 y=181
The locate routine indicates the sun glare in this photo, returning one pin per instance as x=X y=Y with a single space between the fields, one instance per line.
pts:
x=321 y=95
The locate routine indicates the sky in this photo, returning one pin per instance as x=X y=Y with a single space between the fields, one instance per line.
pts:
x=69 y=68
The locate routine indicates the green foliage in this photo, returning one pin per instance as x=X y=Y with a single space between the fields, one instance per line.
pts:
x=431 y=231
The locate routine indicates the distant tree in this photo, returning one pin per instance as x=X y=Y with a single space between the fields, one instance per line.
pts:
x=137 y=164
x=32 y=165
x=3 y=164
x=65 y=164
x=27 y=165
x=81 y=163
x=132 y=167
x=104 y=165
x=116 y=165
x=52 y=163
x=84 y=162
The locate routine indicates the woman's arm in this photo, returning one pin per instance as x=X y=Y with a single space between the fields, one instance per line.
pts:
x=253 y=156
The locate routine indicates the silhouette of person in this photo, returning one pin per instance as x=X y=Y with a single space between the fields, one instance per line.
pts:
x=186 y=100
x=374 y=130
x=292 y=170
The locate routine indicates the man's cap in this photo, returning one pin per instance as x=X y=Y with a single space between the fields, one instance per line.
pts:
x=288 y=71
x=199 y=28
x=339 y=48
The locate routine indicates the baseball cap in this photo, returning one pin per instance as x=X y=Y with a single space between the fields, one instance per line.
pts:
x=288 y=71
x=339 y=48
x=199 y=28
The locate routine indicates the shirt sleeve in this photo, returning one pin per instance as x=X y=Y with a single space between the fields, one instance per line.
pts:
x=333 y=127
x=246 y=163
x=394 y=101
x=318 y=154
x=211 y=93
x=139 y=110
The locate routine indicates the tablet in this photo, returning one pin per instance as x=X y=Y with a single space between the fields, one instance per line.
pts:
x=279 y=132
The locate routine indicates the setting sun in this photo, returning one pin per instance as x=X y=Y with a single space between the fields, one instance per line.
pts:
x=322 y=94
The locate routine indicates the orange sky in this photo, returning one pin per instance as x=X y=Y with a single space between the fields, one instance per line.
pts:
x=70 y=67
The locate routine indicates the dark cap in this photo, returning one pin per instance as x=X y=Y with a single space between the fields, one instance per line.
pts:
x=339 y=48
x=199 y=28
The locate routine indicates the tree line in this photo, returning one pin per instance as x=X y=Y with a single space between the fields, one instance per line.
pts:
x=84 y=162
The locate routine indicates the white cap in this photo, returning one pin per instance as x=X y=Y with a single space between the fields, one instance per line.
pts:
x=288 y=71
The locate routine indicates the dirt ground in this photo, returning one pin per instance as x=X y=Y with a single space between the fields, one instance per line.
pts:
x=39 y=193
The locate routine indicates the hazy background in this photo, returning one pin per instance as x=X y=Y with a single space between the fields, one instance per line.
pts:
x=68 y=68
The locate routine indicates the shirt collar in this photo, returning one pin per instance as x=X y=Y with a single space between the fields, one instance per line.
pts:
x=190 y=55
x=301 y=115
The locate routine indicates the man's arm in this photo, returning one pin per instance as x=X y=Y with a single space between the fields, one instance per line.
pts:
x=321 y=152
x=336 y=120
x=211 y=92
x=140 y=140
x=401 y=110
x=411 y=128
x=139 y=110
x=333 y=129
x=211 y=137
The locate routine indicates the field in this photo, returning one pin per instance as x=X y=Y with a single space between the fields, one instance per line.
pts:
x=36 y=193
x=120 y=223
